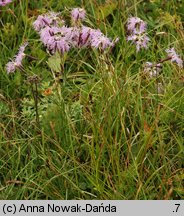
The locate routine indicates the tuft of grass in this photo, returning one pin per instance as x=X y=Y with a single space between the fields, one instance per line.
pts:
x=105 y=132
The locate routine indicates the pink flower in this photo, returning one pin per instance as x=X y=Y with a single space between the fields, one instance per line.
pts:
x=56 y=39
x=174 y=57
x=137 y=32
x=19 y=57
x=136 y=26
x=78 y=14
x=141 y=41
x=40 y=23
x=99 y=40
x=5 y=2
x=152 y=69
x=49 y=19
x=11 y=66
x=85 y=36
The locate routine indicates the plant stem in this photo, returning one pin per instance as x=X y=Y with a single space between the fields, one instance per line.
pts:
x=34 y=81
x=36 y=104
x=166 y=59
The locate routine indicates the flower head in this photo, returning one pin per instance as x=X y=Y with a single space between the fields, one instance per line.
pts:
x=19 y=57
x=56 y=39
x=174 y=57
x=136 y=26
x=141 y=41
x=152 y=69
x=5 y=2
x=12 y=65
x=49 y=19
x=85 y=36
x=99 y=40
x=78 y=14
x=137 y=32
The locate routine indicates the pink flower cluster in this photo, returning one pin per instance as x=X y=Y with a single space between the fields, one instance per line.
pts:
x=174 y=57
x=137 y=32
x=12 y=65
x=58 y=37
x=5 y=2
x=153 y=69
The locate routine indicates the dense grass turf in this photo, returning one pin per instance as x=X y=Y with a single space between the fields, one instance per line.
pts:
x=103 y=130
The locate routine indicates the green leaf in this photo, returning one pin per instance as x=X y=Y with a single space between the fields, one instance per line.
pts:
x=54 y=62
x=17 y=78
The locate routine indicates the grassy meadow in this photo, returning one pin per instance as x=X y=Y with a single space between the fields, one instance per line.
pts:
x=90 y=124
